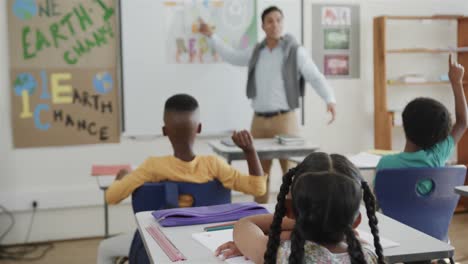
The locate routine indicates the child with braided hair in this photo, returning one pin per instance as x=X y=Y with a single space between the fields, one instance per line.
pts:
x=314 y=220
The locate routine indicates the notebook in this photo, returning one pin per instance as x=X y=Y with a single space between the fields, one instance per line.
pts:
x=212 y=240
x=290 y=140
x=228 y=142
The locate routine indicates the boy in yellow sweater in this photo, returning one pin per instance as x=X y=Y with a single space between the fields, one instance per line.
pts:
x=181 y=125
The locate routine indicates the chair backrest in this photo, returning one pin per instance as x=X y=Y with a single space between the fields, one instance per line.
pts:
x=161 y=195
x=148 y=197
x=397 y=195
x=156 y=196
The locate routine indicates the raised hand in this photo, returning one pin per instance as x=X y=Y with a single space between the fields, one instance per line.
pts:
x=205 y=29
x=243 y=140
x=456 y=71
x=121 y=174
x=228 y=250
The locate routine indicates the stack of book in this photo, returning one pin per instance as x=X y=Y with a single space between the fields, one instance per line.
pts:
x=413 y=78
x=290 y=140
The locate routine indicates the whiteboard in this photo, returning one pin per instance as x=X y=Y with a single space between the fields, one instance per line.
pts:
x=148 y=79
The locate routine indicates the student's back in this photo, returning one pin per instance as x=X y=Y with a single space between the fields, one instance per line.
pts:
x=430 y=136
x=181 y=126
x=314 y=253
x=325 y=205
x=314 y=220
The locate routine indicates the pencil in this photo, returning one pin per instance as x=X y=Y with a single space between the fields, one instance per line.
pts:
x=223 y=224
x=209 y=229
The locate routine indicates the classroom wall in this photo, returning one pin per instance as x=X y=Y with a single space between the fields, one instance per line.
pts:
x=70 y=204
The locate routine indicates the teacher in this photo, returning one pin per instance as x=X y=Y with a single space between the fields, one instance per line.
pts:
x=275 y=68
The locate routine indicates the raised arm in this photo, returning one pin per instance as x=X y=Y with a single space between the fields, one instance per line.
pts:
x=456 y=72
x=313 y=76
x=244 y=140
x=228 y=53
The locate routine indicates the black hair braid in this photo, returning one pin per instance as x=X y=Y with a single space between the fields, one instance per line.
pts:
x=354 y=247
x=280 y=211
x=369 y=201
x=297 y=244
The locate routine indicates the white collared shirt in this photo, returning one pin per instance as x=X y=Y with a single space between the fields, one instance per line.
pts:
x=270 y=92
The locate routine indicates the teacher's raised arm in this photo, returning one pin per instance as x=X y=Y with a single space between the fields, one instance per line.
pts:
x=275 y=68
x=228 y=53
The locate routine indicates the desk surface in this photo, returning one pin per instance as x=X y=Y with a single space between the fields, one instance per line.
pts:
x=362 y=161
x=462 y=190
x=266 y=149
x=414 y=245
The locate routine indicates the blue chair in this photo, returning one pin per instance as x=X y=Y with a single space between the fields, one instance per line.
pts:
x=163 y=195
x=431 y=213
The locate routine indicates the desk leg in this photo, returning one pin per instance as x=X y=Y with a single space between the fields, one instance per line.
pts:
x=106 y=218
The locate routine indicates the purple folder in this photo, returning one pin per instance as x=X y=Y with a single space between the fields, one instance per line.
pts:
x=207 y=214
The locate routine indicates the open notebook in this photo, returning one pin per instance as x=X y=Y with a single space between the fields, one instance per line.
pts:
x=212 y=240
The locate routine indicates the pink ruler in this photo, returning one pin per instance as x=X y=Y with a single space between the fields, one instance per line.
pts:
x=166 y=245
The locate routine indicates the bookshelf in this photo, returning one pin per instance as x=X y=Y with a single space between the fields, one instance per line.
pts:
x=384 y=117
x=424 y=50
x=398 y=83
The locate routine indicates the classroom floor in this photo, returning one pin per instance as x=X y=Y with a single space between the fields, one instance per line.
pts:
x=85 y=250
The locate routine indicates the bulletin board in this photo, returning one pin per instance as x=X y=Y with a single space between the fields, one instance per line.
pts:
x=63 y=72
x=336 y=40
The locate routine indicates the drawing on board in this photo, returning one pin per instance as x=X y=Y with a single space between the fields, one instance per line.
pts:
x=233 y=20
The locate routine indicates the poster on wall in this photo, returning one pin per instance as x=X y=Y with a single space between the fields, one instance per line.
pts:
x=336 y=40
x=336 y=65
x=336 y=16
x=234 y=21
x=63 y=66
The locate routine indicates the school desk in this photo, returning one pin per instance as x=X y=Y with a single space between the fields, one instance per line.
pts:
x=362 y=161
x=462 y=190
x=414 y=245
x=266 y=148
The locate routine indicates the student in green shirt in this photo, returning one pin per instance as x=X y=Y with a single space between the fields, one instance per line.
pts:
x=430 y=136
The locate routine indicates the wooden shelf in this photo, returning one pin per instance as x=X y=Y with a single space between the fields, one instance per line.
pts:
x=442 y=17
x=423 y=50
x=384 y=120
x=417 y=84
